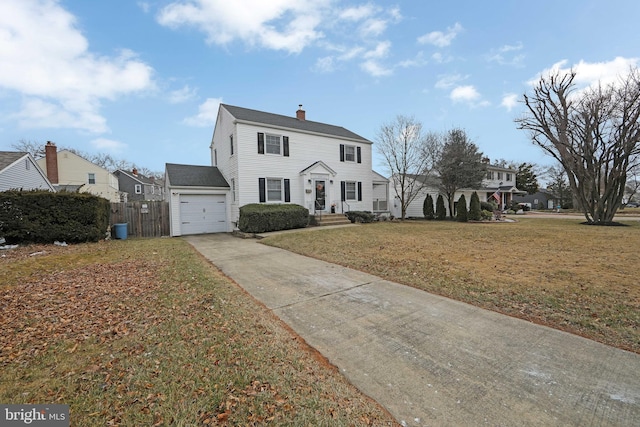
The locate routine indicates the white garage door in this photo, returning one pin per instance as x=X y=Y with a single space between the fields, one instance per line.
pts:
x=200 y=213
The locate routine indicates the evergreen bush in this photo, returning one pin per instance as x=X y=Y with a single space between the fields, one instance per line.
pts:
x=462 y=214
x=427 y=207
x=45 y=217
x=360 y=216
x=261 y=218
x=474 y=208
x=441 y=211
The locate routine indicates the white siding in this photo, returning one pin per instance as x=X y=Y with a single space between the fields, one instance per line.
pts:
x=174 y=195
x=23 y=174
x=247 y=166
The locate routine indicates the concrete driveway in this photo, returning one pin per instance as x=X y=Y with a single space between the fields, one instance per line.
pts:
x=429 y=360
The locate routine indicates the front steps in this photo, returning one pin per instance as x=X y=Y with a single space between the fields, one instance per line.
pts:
x=331 y=219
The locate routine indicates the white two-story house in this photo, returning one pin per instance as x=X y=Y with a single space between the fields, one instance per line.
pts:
x=272 y=158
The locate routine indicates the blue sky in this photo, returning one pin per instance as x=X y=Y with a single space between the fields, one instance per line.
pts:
x=142 y=80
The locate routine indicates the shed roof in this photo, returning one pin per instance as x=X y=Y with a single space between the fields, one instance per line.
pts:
x=195 y=176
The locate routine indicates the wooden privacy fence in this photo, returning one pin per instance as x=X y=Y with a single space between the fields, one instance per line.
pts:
x=144 y=219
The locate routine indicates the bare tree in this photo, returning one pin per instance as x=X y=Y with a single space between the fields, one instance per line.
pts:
x=408 y=154
x=35 y=148
x=459 y=166
x=593 y=133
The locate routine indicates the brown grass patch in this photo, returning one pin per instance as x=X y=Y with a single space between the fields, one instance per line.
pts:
x=557 y=272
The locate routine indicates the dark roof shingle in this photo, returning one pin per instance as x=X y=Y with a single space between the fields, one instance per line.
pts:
x=195 y=176
x=9 y=157
x=255 y=116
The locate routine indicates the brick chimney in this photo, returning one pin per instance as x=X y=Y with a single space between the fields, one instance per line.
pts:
x=51 y=159
x=300 y=114
x=135 y=172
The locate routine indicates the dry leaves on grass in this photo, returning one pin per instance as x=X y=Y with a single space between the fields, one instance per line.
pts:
x=92 y=301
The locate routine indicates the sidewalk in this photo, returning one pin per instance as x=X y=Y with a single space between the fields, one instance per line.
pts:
x=429 y=360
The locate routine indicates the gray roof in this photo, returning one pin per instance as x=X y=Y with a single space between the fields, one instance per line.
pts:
x=9 y=157
x=254 y=116
x=195 y=176
x=138 y=177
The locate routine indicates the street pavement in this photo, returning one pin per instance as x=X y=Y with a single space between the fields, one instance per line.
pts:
x=429 y=360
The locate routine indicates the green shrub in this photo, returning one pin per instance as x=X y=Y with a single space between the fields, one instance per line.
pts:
x=486 y=215
x=441 y=211
x=462 y=213
x=475 y=213
x=360 y=216
x=44 y=217
x=488 y=206
x=261 y=218
x=427 y=207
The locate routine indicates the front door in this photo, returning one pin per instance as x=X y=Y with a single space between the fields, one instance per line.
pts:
x=320 y=196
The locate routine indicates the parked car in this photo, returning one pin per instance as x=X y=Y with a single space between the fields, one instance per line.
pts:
x=632 y=205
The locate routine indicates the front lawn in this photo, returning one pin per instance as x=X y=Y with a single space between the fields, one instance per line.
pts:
x=147 y=333
x=557 y=272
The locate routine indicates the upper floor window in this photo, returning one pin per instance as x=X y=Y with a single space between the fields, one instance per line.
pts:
x=91 y=178
x=138 y=189
x=231 y=144
x=273 y=144
x=27 y=164
x=489 y=174
x=350 y=153
x=508 y=177
x=499 y=175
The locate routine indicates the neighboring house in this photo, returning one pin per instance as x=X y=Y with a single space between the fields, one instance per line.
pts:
x=498 y=186
x=134 y=186
x=69 y=172
x=20 y=171
x=543 y=199
x=271 y=158
x=197 y=197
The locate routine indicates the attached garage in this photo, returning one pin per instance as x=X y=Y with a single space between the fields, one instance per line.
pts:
x=203 y=213
x=197 y=199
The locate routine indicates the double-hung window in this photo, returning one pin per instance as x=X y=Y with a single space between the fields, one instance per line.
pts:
x=350 y=153
x=499 y=175
x=91 y=178
x=350 y=190
x=508 y=177
x=138 y=189
x=272 y=144
x=489 y=174
x=274 y=190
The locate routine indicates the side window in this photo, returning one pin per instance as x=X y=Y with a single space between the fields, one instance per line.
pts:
x=138 y=189
x=231 y=144
x=91 y=178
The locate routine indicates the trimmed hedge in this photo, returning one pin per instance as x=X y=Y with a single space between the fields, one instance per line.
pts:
x=261 y=218
x=360 y=216
x=44 y=217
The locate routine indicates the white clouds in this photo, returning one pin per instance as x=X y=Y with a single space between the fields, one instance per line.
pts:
x=182 y=95
x=441 y=39
x=469 y=95
x=207 y=113
x=507 y=55
x=288 y=25
x=46 y=59
x=449 y=80
x=109 y=145
x=589 y=74
x=509 y=101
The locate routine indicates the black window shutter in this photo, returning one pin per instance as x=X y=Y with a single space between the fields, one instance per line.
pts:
x=287 y=191
x=359 y=191
x=285 y=146
x=343 y=191
x=262 y=184
x=342 y=154
x=260 y=143
x=359 y=155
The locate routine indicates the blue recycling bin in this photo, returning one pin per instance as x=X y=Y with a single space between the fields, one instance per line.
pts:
x=120 y=231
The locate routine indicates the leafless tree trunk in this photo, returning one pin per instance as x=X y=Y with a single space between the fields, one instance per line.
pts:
x=408 y=154
x=594 y=134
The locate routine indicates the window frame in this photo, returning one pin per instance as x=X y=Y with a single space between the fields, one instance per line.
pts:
x=508 y=176
x=347 y=154
x=137 y=188
x=346 y=191
x=268 y=136
x=280 y=181
x=499 y=175
x=231 y=144
x=91 y=177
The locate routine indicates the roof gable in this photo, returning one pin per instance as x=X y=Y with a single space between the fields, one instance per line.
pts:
x=194 y=176
x=277 y=120
x=7 y=158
